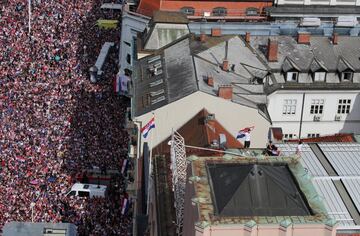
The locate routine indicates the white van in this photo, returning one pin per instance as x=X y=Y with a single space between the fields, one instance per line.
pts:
x=87 y=190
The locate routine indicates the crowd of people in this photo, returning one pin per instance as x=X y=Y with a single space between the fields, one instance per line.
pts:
x=54 y=123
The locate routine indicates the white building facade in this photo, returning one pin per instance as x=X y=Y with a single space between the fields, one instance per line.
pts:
x=314 y=113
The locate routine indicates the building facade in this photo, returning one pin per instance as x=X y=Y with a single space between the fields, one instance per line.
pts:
x=210 y=10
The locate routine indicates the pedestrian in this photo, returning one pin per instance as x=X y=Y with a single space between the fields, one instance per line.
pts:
x=299 y=148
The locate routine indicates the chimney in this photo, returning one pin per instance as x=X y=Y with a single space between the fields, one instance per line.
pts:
x=247 y=37
x=202 y=37
x=216 y=32
x=225 y=91
x=304 y=37
x=225 y=65
x=335 y=38
x=272 y=50
x=210 y=81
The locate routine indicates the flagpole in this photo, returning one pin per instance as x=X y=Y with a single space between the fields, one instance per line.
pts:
x=29 y=8
x=150 y=168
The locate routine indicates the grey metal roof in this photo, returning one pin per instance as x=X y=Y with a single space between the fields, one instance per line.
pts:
x=341 y=191
x=37 y=229
x=174 y=78
x=333 y=201
x=308 y=158
x=345 y=158
x=255 y=190
x=301 y=56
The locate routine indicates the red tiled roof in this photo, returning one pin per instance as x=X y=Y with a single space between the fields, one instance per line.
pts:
x=200 y=134
x=147 y=7
x=340 y=138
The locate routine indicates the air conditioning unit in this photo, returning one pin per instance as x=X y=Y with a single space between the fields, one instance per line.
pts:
x=337 y=118
x=317 y=118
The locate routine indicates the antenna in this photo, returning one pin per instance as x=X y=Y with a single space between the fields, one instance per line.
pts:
x=178 y=168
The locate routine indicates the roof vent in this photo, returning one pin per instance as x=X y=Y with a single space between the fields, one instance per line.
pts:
x=215 y=144
x=222 y=141
x=210 y=81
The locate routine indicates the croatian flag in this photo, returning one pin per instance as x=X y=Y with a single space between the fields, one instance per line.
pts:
x=241 y=133
x=117 y=84
x=146 y=129
x=124 y=166
x=21 y=158
x=125 y=206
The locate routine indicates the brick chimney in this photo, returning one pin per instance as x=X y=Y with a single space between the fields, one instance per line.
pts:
x=335 y=38
x=216 y=32
x=225 y=65
x=304 y=37
x=225 y=91
x=210 y=81
x=247 y=37
x=272 y=50
x=202 y=37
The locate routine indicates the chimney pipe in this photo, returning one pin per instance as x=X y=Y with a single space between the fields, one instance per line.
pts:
x=304 y=37
x=335 y=38
x=272 y=50
x=225 y=65
x=210 y=81
x=247 y=37
x=202 y=37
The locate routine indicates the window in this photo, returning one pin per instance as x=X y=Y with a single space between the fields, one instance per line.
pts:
x=317 y=106
x=289 y=107
x=219 y=11
x=313 y=135
x=292 y=76
x=346 y=76
x=72 y=193
x=84 y=194
x=289 y=136
x=252 y=11
x=188 y=11
x=344 y=106
x=319 y=76
x=128 y=58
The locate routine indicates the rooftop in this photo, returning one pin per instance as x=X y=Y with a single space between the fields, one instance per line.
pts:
x=295 y=199
x=201 y=131
x=255 y=190
x=335 y=170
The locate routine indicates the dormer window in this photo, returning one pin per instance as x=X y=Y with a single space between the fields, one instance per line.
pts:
x=346 y=76
x=190 y=11
x=252 y=11
x=319 y=76
x=219 y=11
x=292 y=76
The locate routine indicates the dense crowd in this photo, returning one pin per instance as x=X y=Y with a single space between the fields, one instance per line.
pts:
x=53 y=122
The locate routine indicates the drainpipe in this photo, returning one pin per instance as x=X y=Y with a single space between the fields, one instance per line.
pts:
x=301 y=117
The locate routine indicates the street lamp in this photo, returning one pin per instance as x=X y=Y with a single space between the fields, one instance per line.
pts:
x=32 y=205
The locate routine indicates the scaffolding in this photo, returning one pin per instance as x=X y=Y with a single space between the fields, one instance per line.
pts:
x=178 y=168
